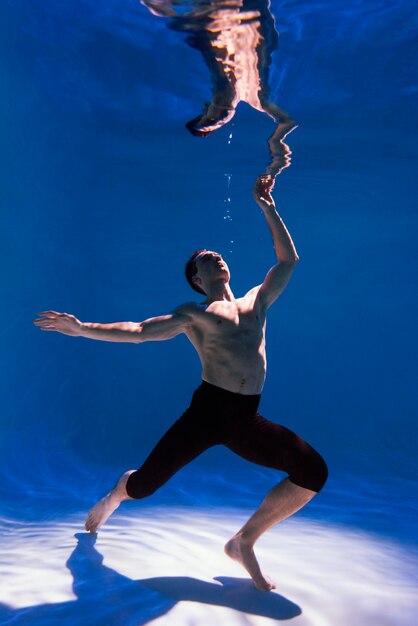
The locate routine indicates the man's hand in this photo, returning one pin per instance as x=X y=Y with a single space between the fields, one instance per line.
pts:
x=262 y=191
x=60 y=322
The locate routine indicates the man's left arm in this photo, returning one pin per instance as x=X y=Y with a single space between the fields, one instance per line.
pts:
x=279 y=275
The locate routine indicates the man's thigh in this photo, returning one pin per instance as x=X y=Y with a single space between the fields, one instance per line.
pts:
x=272 y=445
x=267 y=443
x=184 y=441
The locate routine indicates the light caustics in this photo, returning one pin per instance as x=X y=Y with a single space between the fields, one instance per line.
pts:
x=137 y=570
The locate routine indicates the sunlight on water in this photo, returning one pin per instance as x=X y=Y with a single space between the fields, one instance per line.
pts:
x=154 y=562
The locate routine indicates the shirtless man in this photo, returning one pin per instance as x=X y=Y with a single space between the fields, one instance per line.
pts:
x=228 y=334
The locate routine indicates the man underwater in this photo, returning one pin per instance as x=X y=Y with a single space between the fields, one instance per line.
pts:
x=228 y=334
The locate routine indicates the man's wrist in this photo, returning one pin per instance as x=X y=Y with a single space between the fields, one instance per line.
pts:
x=82 y=329
x=269 y=209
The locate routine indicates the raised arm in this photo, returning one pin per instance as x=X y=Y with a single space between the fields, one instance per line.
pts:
x=279 y=275
x=153 y=329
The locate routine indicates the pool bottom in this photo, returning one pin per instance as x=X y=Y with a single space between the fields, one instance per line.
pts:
x=151 y=564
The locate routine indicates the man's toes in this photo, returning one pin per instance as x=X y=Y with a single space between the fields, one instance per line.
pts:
x=264 y=584
x=91 y=528
x=263 y=587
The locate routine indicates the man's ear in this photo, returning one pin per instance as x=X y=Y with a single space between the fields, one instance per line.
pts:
x=196 y=280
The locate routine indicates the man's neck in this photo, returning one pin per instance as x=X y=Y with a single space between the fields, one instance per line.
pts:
x=218 y=291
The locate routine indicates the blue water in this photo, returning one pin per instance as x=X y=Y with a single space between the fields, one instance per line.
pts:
x=105 y=195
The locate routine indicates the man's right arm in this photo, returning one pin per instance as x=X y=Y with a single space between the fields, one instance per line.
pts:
x=287 y=257
x=153 y=329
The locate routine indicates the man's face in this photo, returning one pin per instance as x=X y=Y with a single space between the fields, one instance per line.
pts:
x=211 y=266
x=212 y=118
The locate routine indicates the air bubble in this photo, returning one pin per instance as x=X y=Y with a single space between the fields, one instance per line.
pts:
x=228 y=201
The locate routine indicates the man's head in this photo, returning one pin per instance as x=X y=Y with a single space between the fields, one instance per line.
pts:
x=205 y=267
x=213 y=117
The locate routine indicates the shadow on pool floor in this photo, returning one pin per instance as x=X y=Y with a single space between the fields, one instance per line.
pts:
x=106 y=597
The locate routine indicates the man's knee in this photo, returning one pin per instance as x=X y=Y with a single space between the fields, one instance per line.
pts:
x=319 y=472
x=311 y=471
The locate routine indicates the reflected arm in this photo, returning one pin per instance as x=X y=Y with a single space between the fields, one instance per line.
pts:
x=163 y=8
x=279 y=150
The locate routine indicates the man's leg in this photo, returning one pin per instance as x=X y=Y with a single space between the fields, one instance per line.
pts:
x=101 y=511
x=282 y=501
x=272 y=445
x=182 y=443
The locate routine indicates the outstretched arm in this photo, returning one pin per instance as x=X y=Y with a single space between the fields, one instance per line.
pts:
x=279 y=275
x=153 y=329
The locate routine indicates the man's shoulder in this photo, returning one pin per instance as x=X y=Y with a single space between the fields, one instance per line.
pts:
x=250 y=300
x=188 y=308
x=251 y=294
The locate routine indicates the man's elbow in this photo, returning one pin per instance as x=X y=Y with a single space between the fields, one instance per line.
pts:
x=290 y=260
x=138 y=334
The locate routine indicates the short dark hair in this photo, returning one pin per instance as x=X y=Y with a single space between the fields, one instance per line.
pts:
x=190 y=270
x=197 y=132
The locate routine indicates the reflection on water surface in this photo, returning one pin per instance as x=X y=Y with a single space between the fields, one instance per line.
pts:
x=236 y=40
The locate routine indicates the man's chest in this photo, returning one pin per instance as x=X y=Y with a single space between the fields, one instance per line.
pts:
x=226 y=318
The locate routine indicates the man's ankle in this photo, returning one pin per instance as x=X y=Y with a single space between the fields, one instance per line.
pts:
x=245 y=537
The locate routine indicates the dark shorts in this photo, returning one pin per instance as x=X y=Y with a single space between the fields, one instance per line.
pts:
x=220 y=417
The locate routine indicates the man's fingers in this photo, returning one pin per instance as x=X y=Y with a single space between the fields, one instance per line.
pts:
x=263 y=187
x=47 y=320
x=43 y=324
x=44 y=320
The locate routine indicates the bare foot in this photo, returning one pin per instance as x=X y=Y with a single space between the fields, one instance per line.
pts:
x=238 y=550
x=106 y=506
